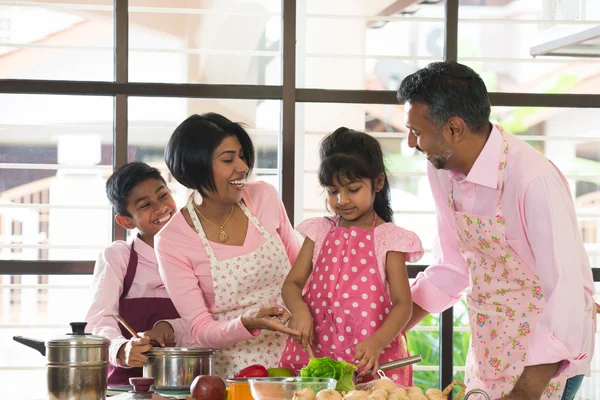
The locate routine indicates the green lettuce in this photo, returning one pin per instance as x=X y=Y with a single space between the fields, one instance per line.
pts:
x=326 y=367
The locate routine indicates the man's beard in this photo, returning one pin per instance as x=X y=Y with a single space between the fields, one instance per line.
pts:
x=439 y=161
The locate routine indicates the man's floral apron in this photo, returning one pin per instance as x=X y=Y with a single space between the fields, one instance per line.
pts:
x=504 y=303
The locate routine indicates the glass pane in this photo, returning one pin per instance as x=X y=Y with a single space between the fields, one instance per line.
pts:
x=38 y=307
x=153 y=120
x=55 y=155
x=373 y=45
x=216 y=42
x=46 y=40
x=531 y=46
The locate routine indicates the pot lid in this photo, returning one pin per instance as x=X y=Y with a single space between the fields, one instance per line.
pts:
x=78 y=337
x=180 y=351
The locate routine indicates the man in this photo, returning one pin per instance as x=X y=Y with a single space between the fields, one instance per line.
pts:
x=507 y=231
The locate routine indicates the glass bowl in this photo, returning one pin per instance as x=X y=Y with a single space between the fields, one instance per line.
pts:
x=284 y=388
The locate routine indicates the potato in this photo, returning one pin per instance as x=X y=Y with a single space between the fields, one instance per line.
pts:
x=356 y=395
x=379 y=394
x=384 y=383
x=398 y=396
x=435 y=394
x=304 y=394
x=328 y=394
x=415 y=393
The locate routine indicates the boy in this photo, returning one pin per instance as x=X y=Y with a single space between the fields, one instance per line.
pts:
x=126 y=278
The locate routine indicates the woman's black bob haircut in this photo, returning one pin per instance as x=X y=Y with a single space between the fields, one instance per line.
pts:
x=189 y=153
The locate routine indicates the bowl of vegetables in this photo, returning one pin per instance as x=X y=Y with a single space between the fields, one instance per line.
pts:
x=288 y=388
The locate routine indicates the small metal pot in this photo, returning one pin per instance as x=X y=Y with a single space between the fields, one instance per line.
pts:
x=77 y=364
x=174 y=368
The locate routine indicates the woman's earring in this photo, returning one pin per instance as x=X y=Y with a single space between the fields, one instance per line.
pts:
x=197 y=198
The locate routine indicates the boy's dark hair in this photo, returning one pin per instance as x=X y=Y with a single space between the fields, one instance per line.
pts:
x=353 y=155
x=190 y=149
x=448 y=89
x=124 y=179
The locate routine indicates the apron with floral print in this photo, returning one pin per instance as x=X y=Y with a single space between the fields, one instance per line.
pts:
x=348 y=302
x=504 y=303
x=245 y=282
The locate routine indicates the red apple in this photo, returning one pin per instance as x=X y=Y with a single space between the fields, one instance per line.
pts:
x=207 y=387
x=252 y=371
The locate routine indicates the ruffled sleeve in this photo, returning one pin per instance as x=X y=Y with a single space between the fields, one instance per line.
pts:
x=401 y=240
x=315 y=229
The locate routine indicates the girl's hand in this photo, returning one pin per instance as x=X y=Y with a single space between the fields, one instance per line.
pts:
x=269 y=318
x=367 y=354
x=302 y=321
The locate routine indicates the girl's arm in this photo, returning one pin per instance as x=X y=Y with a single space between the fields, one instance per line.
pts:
x=291 y=293
x=369 y=350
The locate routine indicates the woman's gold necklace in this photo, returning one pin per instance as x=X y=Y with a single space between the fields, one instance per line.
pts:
x=223 y=236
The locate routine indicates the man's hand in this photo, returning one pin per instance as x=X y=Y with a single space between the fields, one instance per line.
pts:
x=532 y=382
x=162 y=333
x=130 y=353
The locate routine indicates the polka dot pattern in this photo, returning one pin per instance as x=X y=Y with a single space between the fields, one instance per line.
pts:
x=355 y=299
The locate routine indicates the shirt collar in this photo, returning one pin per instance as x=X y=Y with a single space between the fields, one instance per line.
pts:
x=485 y=169
x=143 y=249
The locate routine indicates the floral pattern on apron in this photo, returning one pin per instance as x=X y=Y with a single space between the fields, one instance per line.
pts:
x=241 y=283
x=504 y=303
x=348 y=302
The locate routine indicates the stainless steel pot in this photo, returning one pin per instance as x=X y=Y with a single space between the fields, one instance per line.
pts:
x=77 y=364
x=176 y=367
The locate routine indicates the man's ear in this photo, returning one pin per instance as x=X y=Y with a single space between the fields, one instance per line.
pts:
x=455 y=129
x=124 y=221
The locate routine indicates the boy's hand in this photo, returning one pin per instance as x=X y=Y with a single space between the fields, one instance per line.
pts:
x=162 y=334
x=131 y=352
x=367 y=353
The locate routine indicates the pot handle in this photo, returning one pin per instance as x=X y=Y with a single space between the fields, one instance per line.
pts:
x=477 y=391
x=34 y=344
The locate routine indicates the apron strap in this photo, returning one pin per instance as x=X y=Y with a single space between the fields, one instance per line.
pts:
x=254 y=221
x=131 y=270
x=501 y=168
x=200 y=231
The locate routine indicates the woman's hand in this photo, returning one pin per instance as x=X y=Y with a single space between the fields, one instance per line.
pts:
x=302 y=321
x=162 y=333
x=367 y=353
x=269 y=318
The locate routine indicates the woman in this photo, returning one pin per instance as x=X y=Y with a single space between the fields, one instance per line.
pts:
x=224 y=256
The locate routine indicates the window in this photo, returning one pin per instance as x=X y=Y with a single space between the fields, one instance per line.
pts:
x=55 y=41
x=538 y=53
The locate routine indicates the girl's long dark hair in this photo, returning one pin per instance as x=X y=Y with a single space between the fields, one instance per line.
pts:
x=353 y=155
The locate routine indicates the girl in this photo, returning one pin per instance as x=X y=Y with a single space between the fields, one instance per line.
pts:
x=356 y=299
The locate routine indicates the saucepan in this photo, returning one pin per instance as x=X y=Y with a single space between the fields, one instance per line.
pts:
x=174 y=368
x=77 y=364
